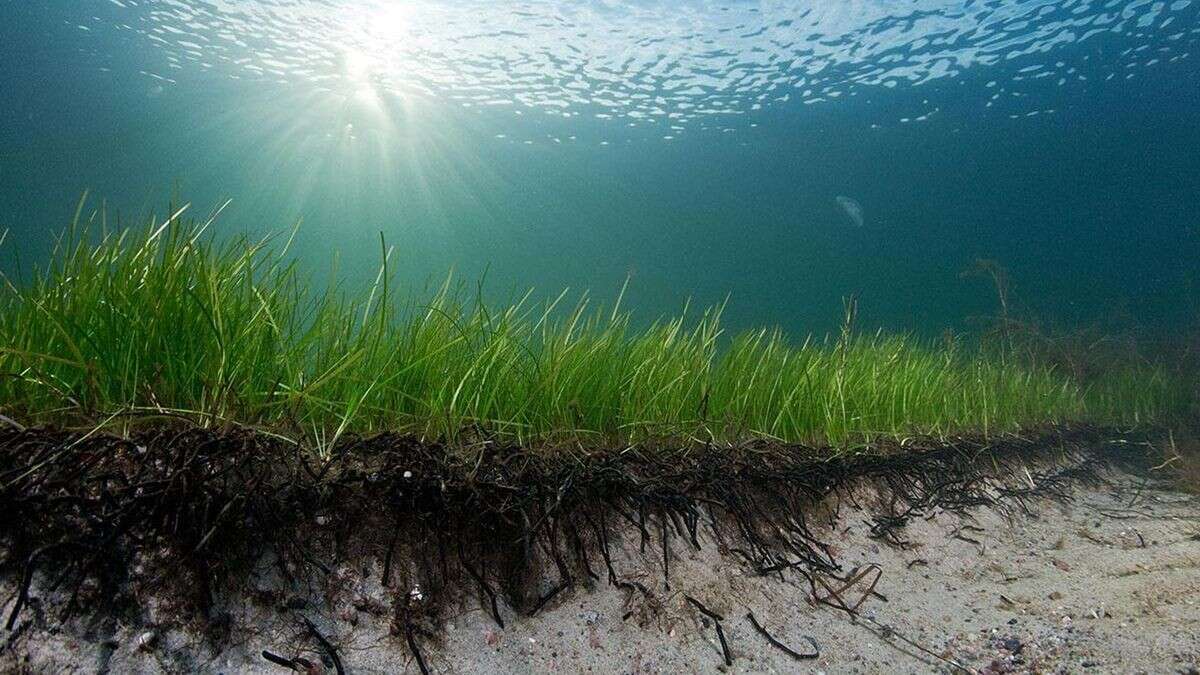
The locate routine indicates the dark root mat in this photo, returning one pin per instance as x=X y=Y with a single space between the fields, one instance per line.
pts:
x=188 y=513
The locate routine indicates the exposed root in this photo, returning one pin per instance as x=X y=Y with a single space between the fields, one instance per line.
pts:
x=814 y=654
x=186 y=513
x=716 y=619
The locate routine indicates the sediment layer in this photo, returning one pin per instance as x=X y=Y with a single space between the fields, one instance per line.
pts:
x=185 y=514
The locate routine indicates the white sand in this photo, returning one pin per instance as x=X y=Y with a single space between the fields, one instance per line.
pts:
x=1101 y=584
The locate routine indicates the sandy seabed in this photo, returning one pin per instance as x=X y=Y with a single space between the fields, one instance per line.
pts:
x=1106 y=582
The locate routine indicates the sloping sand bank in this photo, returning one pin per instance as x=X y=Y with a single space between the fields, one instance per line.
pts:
x=1109 y=581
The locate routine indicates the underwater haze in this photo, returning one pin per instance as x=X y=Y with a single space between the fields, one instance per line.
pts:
x=783 y=154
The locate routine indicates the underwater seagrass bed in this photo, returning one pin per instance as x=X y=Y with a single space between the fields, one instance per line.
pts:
x=175 y=408
x=167 y=322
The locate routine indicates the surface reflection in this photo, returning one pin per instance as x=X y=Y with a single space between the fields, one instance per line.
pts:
x=667 y=63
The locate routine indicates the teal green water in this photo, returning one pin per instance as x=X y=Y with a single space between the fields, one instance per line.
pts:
x=786 y=154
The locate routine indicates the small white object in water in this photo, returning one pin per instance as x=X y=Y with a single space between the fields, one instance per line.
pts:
x=853 y=210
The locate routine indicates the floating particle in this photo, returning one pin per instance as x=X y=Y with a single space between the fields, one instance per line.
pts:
x=853 y=210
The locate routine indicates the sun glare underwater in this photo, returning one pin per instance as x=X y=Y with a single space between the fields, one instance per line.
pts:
x=783 y=155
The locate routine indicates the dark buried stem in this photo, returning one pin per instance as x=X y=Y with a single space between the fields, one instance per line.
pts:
x=816 y=652
x=716 y=618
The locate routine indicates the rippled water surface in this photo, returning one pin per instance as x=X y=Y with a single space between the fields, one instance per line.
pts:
x=786 y=153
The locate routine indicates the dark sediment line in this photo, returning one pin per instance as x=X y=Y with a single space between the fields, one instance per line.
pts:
x=187 y=513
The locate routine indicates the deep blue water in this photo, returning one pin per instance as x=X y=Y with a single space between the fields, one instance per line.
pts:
x=704 y=148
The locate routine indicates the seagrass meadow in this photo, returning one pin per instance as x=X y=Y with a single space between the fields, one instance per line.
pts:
x=145 y=326
x=176 y=408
